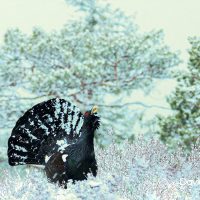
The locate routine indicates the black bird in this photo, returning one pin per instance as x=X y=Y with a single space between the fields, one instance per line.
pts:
x=57 y=135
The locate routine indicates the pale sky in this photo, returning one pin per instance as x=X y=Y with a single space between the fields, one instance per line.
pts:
x=179 y=19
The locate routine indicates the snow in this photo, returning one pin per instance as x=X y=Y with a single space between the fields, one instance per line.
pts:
x=143 y=170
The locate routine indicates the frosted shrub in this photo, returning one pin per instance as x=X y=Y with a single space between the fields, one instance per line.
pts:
x=142 y=170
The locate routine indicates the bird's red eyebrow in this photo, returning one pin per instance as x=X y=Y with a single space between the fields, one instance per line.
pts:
x=86 y=114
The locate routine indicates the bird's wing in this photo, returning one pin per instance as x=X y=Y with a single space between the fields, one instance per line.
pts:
x=55 y=168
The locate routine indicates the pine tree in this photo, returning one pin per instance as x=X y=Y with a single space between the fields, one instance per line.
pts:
x=183 y=127
x=102 y=53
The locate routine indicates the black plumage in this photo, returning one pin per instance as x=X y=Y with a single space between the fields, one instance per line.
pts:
x=57 y=135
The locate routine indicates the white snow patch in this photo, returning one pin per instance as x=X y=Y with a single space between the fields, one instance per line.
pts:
x=93 y=183
x=38 y=166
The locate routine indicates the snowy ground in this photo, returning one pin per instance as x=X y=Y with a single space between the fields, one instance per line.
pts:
x=143 y=170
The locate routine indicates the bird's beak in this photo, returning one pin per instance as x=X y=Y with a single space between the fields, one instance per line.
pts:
x=94 y=110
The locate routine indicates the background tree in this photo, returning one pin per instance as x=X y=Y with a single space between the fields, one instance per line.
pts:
x=99 y=55
x=183 y=127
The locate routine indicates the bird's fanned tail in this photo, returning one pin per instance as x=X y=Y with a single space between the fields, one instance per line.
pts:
x=44 y=129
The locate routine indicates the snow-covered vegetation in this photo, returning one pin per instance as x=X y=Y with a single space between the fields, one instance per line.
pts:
x=142 y=170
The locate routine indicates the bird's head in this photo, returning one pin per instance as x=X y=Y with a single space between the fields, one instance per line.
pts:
x=91 y=118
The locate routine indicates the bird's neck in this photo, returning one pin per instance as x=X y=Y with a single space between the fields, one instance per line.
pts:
x=87 y=134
